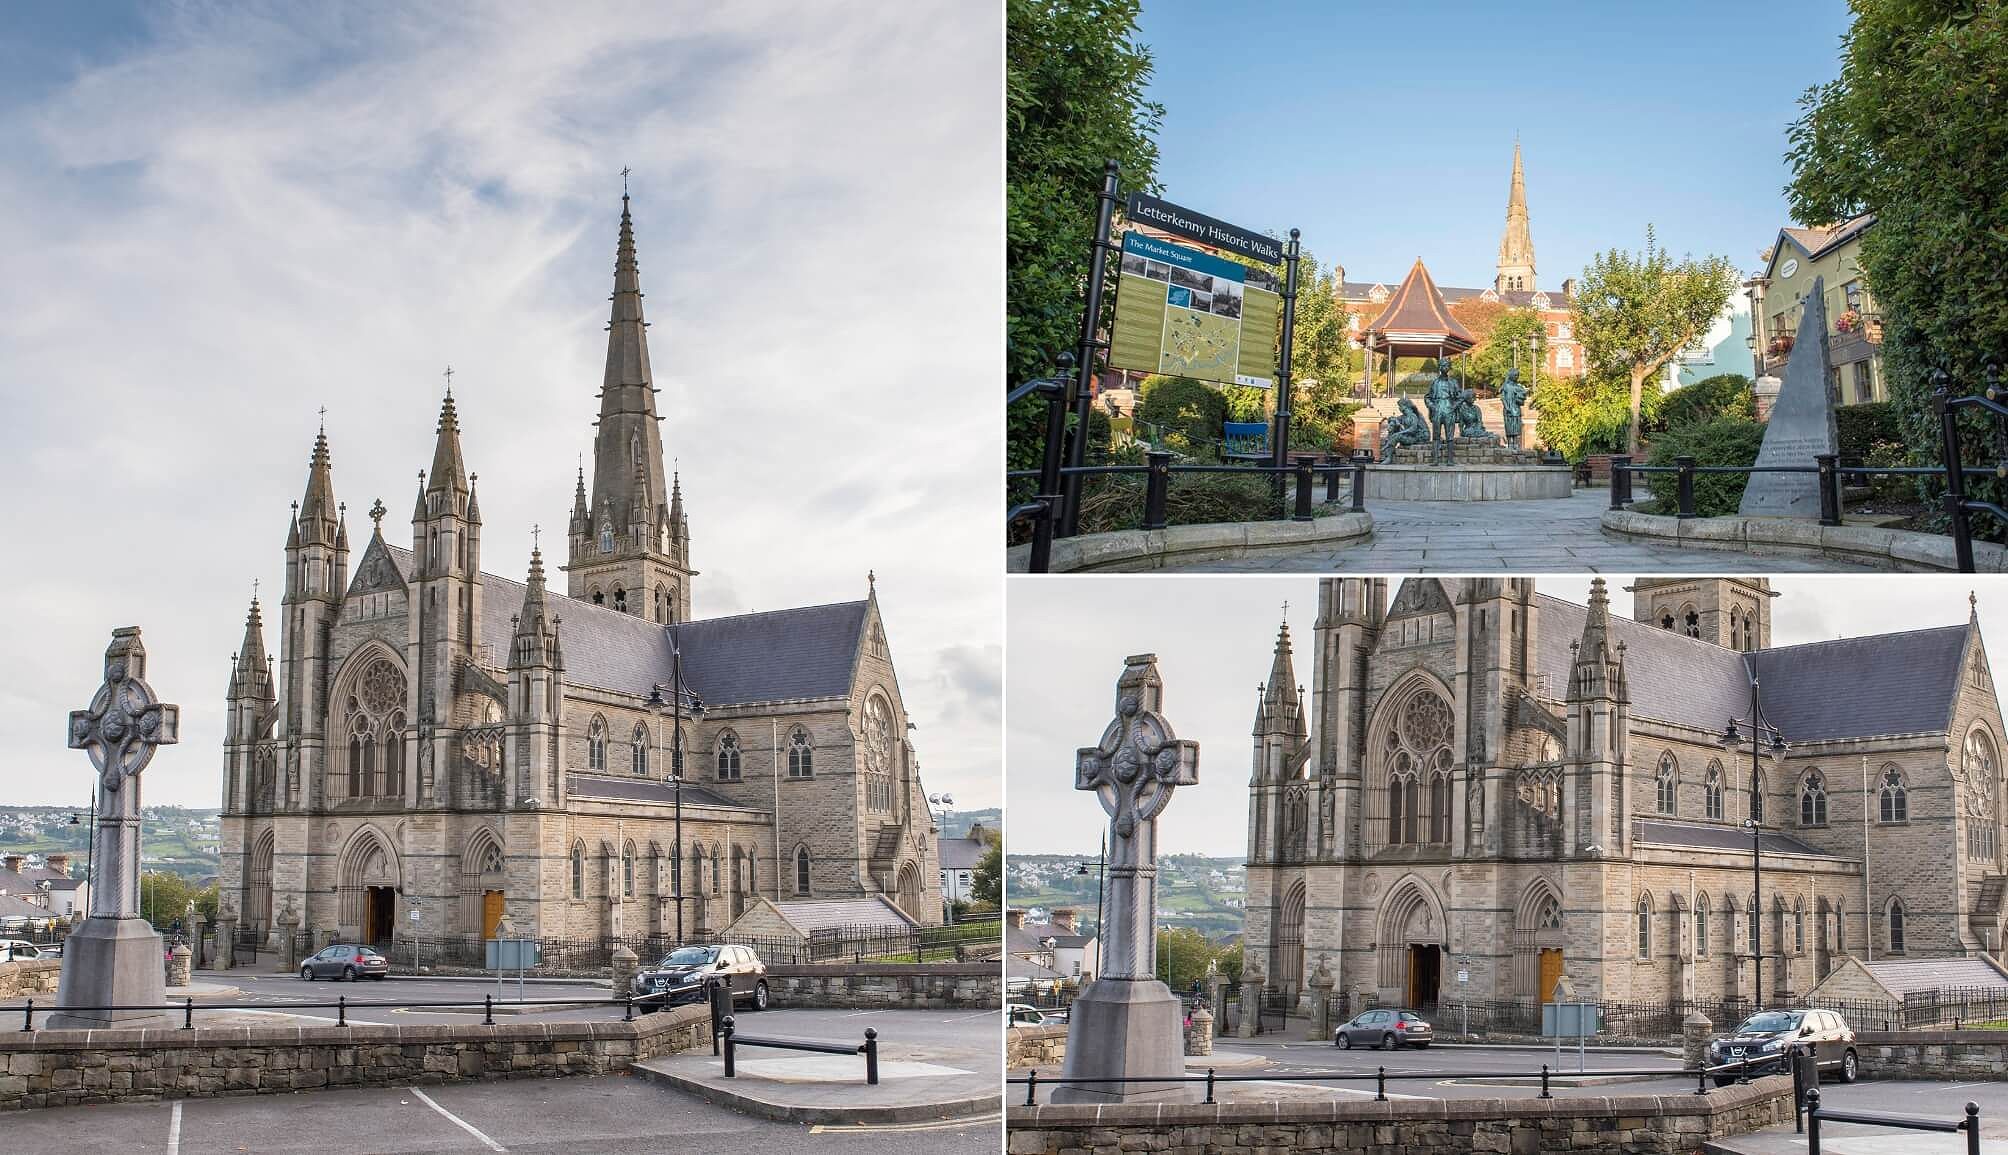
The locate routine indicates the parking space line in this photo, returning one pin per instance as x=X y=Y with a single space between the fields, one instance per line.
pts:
x=931 y=1125
x=457 y=1121
x=174 y=1129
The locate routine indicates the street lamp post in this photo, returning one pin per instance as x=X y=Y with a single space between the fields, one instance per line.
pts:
x=1731 y=737
x=1101 y=865
x=679 y=693
x=952 y=892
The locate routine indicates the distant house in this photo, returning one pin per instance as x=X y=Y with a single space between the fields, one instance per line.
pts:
x=1057 y=944
x=959 y=860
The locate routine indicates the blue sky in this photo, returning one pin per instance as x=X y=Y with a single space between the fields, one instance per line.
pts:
x=215 y=219
x=1279 y=115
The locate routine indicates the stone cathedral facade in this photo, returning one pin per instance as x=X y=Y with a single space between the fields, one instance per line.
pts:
x=1488 y=788
x=441 y=740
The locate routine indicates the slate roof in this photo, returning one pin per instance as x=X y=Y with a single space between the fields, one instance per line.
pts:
x=643 y=790
x=12 y=907
x=1903 y=976
x=1020 y=967
x=962 y=853
x=1816 y=241
x=1512 y=298
x=810 y=916
x=1900 y=683
x=1416 y=311
x=1718 y=837
x=778 y=655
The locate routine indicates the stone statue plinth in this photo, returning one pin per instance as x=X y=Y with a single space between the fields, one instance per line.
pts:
x=116 y=958
x=1126 y=1023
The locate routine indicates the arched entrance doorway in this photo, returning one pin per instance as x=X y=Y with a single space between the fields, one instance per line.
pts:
x=1411 y=938
x=258 y=886
x=368 y=883
x=1289 y=965
x=909 y=890
x=483 y=883
x=1537 y=942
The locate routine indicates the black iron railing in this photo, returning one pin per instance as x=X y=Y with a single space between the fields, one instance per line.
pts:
x=1817 y=1115
x=341 y=1006
x=868 y=1048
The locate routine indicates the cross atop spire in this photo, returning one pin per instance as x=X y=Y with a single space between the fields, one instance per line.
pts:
x=449 y=383
x=624 y=175
x=536 y=537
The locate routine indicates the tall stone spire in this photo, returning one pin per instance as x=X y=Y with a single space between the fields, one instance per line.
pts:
x=251 y=674
x=1279 y=697
x=317 y=520
x=1516 y=246
x=449 y=472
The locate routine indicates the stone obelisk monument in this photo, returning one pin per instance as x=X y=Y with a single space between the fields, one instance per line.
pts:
x=1126 y=1023
x=115 y=958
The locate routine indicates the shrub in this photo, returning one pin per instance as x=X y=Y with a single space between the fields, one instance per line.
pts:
x=1868 y=431
x=1724 y=395
x=1722 y=441
x=1246 y=402
x=1112 y=503
x=1188 y=412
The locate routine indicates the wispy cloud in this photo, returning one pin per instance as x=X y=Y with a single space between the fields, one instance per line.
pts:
x=233 y=216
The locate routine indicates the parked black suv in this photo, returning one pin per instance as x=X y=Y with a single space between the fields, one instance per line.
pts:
x=1773 y=1034
x=684 y=973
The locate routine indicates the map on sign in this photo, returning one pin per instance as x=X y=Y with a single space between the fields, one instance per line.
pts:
x=1192 y=314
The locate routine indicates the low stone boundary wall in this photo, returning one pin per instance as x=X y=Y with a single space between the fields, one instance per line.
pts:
x=1036 y=1046
x=1618 y=1125
x=62 y=1068
x=1468 y=482
x=1901 y=550
x=30 y=977
x=1955 y=1055
x=1132 y=550
x=978 y=985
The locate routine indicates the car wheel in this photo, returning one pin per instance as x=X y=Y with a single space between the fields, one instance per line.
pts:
x=1387 y=1043
x=1849 y=1066
x=760 y=995
x=349 y=974
x=307 y=973
x=1345 y=1041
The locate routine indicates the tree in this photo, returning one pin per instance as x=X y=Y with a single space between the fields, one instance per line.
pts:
x=1182 y=956
x=1588 y=414
x=986 y=886
x=1073 y=100
x=1488 y=361
x=1635 y=311
x=164 y=898
x=1912 y=131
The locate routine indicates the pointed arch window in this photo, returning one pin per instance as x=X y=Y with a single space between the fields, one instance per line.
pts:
x=1439 y=806
x=696 y=871
x=1701 y=926
x=627 y=871
x=1981 y=789
x=1667 y=782
x=578 y=870
x=714 y=870
x=1799 y=926
x=662 y=601
x=728 y=757
x=1549 y=916
x=1892 y=799
x=639 y=746
x=606 y=536
x=599 y=596
x=801 y=755
x=1645 y=928
x=596 y=744
x=801 y=870
x=373 y=712
x=1757 y=796
x=1711 y=792
x=1416 y=750
x=1692 y=623
x=1893 y=925
x=1666 y=621
x=620 y=599
x=1813 y=800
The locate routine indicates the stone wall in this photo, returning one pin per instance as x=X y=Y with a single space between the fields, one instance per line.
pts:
x=976 y=985
x=62 y=1068
x=1620 y=1125
x=33 y=977
x=1957 y=1055
x=1038 y=1047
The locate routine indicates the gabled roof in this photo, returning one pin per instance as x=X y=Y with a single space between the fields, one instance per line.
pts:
x=1416 y=314
x=1674 y=678
x=779 y=655
x=962 y=853
x=812 y=915
x=1904 y=976
x=1817 y=241
x=12 y=907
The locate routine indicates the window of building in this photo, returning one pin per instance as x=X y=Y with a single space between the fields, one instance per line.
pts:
x=1757 y=797
x=606 y=537
x=801 y=870
x=627 y=870
x=1799 y=926
x=596 y=744
x=1565 y=357
x=1754 y=927
x=620 y=599
x=1864 y=381
x=1853 y=291
x=1979 y=765
x=599 y=597
x=1562 y=333
x=578 y=870
x=1439 y=807
x=1668 y=782
x=639 y=745
x=714 y=870
x=1893 y=925
x=801 y=756
x=1701 y=926
x=373 y=713
x=1645 y=928
x=1691 y=622
x=1749 y=632
x=1415 y=747
x=1666 y=620
x=728 y=757
x=1893 y=801
x=1712 y=792
x=1813 y=800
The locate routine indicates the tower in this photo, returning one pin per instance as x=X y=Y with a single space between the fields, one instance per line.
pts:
x=1599 y=710
x=630 y=542
x=1279 y=804
x=1351 y=612
x=1516 y=246
x=317 y=571
x=443 y=627
x=536 y=693
x=250 y=782
x=1731 y=612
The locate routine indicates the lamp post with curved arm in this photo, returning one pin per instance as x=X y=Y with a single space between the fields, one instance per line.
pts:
x=1760 y=728
x=679 y=697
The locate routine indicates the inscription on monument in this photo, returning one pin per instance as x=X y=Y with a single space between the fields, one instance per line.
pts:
x=1801 y=426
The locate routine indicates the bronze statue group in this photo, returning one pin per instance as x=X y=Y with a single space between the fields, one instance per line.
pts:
x=1453 y=418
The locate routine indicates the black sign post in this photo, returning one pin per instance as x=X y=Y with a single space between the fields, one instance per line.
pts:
x=1085 y=361
x=1279 y=436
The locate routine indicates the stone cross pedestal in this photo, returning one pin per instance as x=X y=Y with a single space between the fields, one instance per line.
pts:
x=1126 y=1023
x=289 y=940
x=1251 y=1005
x=178 y=965
x=115 y=957
x=1199 y=1037
x=1321 y=1004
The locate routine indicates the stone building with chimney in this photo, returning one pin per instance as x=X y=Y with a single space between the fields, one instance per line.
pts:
x=1488 y=788
x=436 y=747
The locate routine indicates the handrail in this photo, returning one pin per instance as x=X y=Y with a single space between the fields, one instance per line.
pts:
x=868 y=1048
x=342 y=1006
x=1816 y=1115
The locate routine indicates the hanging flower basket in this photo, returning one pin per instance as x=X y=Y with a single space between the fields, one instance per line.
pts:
x=1781 y=344
x=1850 y=321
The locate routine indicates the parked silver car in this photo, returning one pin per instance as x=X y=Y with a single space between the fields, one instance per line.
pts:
x=1773 y=1034
x=1385 y=1028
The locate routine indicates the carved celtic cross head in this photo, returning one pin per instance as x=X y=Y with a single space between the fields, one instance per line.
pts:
x=125 y=722
x=1139 y=761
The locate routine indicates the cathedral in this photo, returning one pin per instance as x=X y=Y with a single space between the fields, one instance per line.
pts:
x=1489 y=789
x=439 y=747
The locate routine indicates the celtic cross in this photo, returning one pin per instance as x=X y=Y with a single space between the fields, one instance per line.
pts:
x=1133 y=771
x=120 y=731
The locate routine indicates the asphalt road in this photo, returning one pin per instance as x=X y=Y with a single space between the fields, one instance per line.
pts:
x=278 y=991
x=615 y=1113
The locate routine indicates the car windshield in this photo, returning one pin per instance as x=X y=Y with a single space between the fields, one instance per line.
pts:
x=1769 y=1023
x=690 y=956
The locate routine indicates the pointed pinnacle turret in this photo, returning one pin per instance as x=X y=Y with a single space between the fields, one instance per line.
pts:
x=1596 y=623
x=536 y=639
x=316 y=518
x=1282 y=672
x=449 y=472
x=627 y=449
x=1516 y=245
x=252 y=674
x=582 y=515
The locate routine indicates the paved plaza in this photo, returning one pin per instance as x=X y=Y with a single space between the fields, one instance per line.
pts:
x=1548 y=536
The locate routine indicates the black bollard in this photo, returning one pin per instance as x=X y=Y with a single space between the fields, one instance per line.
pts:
x=1157 y=486
x=1303 y=511
x=728 y=1046
x=1684 y=486
x=871 y=1056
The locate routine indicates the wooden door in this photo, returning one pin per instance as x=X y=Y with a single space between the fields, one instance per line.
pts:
x=491 y=912
x=1551 y=972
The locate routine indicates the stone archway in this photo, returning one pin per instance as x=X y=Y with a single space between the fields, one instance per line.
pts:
x=484 y=883
x=908 y=890
x=1412 y=938
x=368 y=880
x=258 y=886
